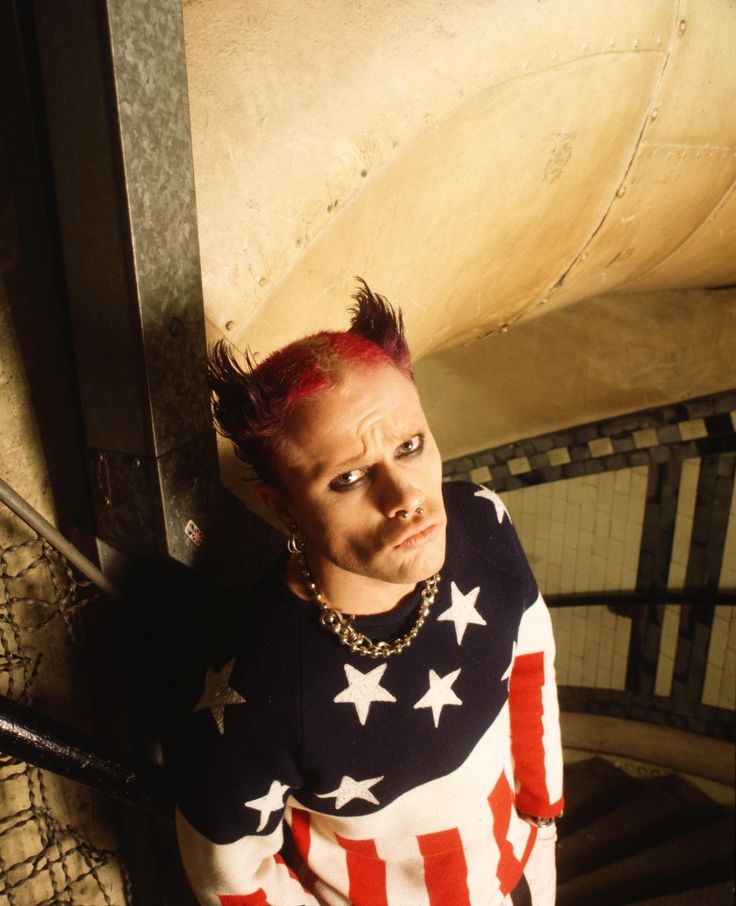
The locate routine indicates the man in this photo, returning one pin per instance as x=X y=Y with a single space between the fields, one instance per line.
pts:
x=383 y=726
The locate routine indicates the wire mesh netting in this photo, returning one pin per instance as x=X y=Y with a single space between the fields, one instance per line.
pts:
x=47 y=825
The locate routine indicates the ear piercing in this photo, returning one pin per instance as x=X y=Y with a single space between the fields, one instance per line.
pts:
x=404 y=514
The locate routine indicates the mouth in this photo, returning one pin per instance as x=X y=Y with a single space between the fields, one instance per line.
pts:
x=416 y=537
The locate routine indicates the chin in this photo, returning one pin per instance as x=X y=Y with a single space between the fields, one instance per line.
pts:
x=422 y=564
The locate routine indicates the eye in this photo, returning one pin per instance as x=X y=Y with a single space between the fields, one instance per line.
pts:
x=346 y=480
x=415 y=444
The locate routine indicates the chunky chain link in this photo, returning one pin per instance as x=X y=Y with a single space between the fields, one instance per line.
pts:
x=341 y=624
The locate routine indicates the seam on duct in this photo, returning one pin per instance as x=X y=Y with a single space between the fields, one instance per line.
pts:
x=647 y=117
x=709 y=216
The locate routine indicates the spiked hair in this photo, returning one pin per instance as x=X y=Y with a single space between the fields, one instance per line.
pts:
x=251 y=401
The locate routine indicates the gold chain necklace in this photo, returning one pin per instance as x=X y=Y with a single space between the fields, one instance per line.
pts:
x=341 y=624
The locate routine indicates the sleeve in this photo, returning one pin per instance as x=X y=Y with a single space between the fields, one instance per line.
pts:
x=534 y=716
x=236 y=770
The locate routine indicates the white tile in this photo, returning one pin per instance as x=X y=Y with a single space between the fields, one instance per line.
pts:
x=712 y=686
x=618 y=672
x=519 y=465
x=601 y=446
x=480 y=475
x=645 y=438
x=693 y=429
x=558 y=457
x=663 y=679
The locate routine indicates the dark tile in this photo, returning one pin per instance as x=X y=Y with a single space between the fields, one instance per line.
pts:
x=538 y=460
x=578 y=452
x=543 y=444
x=719 y=424
x=669 y=434
x=486 y=458
x=500 y=473
x=639 y=458
x=584 y=433
x=575 y=469
x=661 y=454
x=563 y=439
x=623 y=444
x=593 y=467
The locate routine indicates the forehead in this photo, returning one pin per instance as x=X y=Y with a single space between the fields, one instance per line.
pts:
x=374 y=405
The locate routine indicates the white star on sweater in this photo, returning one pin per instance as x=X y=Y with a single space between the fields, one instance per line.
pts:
x=488 y=494
x=363 y=689
x=271 y=802
x=218 y=694
x=439 y=694
x=350 y=789
x=462 y=611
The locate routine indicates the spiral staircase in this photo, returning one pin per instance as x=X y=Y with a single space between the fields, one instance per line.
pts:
x=656 y=841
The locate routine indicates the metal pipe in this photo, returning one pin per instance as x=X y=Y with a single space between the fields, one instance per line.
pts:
x=38 y=740
x=44 y=528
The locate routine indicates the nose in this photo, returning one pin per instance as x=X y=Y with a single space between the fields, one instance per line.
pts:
x=399 y=497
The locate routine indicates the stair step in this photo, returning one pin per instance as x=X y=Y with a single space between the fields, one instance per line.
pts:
x=660 y=810
x=592 y=788
x=694 y=858
x=713 y=895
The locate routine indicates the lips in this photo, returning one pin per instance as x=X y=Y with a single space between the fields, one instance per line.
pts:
x=418 y=535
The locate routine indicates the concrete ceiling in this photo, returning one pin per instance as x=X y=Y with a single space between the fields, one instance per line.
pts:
x=479 y=163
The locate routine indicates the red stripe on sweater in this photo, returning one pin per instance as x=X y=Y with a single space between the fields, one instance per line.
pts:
x=366 y=872
x=302 y=834
x=249 y=899
x=445 y=868
x=501 y=802
x=527 y=733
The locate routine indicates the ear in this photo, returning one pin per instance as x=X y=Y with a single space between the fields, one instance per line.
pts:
x=276 y=501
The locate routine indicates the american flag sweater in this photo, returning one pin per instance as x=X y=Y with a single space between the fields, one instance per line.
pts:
x=317 y=776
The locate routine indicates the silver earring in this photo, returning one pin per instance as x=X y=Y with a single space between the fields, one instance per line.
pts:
x=419 y=511
x=295 y=544
x=403 y=514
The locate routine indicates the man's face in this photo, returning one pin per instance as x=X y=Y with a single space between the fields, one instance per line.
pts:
x=355 y=458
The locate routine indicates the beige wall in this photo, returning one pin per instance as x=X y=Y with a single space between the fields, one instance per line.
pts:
x=599 y=358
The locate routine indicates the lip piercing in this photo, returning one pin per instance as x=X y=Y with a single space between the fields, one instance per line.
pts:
x=404 y=514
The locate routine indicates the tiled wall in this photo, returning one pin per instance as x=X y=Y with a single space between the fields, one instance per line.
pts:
x=645 y=504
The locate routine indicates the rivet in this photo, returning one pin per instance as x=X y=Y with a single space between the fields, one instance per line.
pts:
x=621 y=191
x=543 y=301
x=611 y=42
x=682 y=27
x=504 y=328
x=230 y=325
x=262 y=281
x=584 y=46
x=659 y=41
x=525 y=65
x=363 y=172
x=106 y=501
x=176 y=328
x=654 y=114
x=137 y=463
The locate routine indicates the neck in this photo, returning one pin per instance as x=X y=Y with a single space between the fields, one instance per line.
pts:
x=345 y=591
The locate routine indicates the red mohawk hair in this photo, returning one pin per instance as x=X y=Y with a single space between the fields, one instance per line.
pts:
x=250 y=402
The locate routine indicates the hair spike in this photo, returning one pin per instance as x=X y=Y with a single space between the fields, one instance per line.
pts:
x=250 y=402
x=374 y=319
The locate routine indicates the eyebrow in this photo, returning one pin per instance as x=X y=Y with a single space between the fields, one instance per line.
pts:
x=353 y=462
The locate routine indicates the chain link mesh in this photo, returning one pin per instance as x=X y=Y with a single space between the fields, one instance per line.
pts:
x=44 y=859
